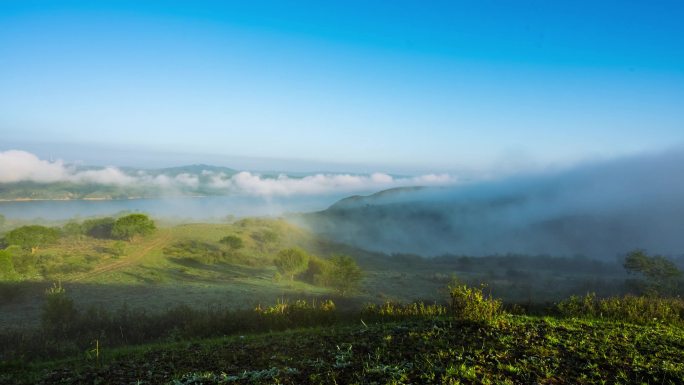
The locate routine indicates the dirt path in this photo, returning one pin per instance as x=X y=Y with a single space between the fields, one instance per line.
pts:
x=131 y=259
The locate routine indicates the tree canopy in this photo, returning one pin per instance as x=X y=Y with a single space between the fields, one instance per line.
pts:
x=133 y=225
x=661 y=274
x=344 y=274
x=31 y=237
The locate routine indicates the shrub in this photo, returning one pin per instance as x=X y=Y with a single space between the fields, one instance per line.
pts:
x=232 y=241
x=344 y=274
x=73 y=229
x=299 y=313
x=265 y=236
x=291 y=262
x=317 y=271
x=396 y=311
x=472 y=304
x=31 y=237
x=98 y=228
x=59 y=312
x=195 y=250
x=24 y=262
x=118 y=249
x=633 y=309
x=130 y=226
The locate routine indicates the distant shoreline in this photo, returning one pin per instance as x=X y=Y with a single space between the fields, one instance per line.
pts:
x=95 y=199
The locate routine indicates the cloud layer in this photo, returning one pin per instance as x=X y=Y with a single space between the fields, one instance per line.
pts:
x=21 y=166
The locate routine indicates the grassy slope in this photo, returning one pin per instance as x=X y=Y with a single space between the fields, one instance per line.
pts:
x=145 y=277
x=517 y=350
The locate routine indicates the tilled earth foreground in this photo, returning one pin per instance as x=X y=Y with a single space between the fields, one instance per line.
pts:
x=513 y=350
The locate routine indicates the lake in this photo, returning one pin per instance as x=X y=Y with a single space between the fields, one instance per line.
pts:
x=197 y=208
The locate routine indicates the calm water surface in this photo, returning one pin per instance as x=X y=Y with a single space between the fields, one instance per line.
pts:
x=215 y=207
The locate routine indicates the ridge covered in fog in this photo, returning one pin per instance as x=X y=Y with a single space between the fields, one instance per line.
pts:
x=598 y=209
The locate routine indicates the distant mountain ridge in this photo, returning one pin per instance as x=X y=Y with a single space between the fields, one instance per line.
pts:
x=353 y=200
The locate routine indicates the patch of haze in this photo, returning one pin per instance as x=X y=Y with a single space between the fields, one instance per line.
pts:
x=597 y=209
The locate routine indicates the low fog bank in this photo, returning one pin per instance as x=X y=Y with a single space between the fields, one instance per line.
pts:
x=24 y=175
x=599 y=210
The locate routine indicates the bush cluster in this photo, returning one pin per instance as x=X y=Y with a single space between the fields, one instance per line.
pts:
x=471 y=303
x=632 y=309
x=339 y=272
x=390 y=311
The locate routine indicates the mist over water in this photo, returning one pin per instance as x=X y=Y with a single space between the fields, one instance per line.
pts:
x=598 y=210
x=201 y=208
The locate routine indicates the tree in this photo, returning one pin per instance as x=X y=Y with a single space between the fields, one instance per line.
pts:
x=233 y=241
x=133 y=225
x=291 y=262
x=660 y=274
x=344 y=274
x=31 y=237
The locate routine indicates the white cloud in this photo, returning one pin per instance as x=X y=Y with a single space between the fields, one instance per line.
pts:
x=253 y=184
x=107 y=175
x=16 y=166
x=187 y=180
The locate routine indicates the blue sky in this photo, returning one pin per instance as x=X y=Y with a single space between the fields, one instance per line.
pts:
x=396 y=86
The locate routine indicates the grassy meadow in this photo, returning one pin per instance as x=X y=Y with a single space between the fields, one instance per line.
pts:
x=186 y=263
x=192 y=303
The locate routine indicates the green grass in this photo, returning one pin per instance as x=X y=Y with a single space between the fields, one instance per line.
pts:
x=148 y=276
x=512 y=350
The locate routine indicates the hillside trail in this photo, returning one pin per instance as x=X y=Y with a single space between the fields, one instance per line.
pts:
x=131 y=259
